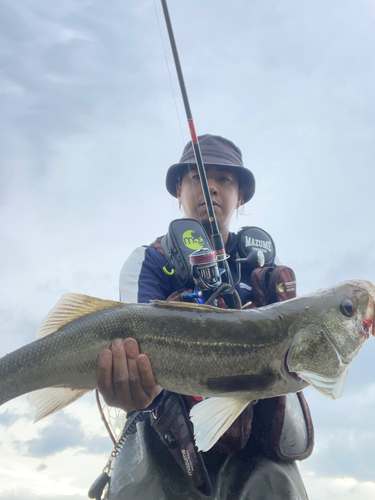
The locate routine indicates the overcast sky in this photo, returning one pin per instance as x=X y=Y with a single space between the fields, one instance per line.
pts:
x=88 y=128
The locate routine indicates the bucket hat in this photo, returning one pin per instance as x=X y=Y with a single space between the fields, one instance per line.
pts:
x=216 y=151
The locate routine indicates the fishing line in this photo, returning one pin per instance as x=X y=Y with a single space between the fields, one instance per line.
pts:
x=176 y=107
x=169 y=74
x=216 y=236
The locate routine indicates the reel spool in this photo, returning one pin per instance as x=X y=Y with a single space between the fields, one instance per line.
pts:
x=205 y=269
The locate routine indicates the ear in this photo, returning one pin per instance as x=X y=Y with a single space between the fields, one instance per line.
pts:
x=240 y=199
x=178 y=192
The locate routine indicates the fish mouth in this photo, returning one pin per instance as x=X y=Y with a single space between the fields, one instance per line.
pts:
x=368 y=318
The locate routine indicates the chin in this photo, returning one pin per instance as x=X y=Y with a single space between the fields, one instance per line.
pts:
x=207 y=226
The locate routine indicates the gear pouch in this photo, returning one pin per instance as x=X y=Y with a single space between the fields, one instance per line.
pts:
x=273 y=284
x=251 y=238
x=183 y=238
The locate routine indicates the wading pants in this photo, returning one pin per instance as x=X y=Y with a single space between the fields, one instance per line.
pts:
x=146 y=470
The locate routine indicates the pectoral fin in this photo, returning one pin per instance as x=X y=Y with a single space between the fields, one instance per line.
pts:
x=212 y=417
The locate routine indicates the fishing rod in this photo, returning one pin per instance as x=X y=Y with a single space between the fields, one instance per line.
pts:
x=216 y=237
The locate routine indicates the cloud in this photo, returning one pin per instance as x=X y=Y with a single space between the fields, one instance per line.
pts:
x=26 y=494
x=345 y=437
x=8 y=417
x=348 y=453
x=356 y=264
x=326 y=488
x=65 y=431
x=97 y=445
x=41 y=467
x=88 y=128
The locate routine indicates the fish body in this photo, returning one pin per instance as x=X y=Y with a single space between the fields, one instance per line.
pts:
x=200 y=350
x=193 y=350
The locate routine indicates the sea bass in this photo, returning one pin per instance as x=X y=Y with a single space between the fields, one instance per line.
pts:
x=241 y=355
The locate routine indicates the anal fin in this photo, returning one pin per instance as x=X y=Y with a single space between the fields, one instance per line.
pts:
x=212 y=417
x=52 y=399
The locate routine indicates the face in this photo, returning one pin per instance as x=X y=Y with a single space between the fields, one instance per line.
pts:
x=223 y=186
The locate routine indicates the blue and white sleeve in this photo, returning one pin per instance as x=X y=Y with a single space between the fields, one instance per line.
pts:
x=142 y=277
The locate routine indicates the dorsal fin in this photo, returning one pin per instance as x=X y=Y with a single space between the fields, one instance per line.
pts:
x=187 y=306
x=70 y=307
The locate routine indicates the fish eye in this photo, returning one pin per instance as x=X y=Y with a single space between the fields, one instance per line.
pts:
x=347 y=308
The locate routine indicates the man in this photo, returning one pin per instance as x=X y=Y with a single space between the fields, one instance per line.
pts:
x=155 y=463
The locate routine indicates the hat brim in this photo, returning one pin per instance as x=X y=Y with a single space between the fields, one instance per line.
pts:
x=245 y=177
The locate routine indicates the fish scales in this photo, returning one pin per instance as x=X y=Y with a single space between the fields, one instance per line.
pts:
x=200 y=350
x=185 y=349
x=206 y=346
x=155 y=332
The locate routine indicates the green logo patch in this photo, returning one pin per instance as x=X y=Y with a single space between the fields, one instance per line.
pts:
x=191 y=242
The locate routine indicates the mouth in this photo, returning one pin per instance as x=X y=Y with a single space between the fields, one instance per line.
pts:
x=214 y=204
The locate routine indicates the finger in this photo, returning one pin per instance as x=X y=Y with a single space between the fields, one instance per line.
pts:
x=104 y=376
x=140 y=398
x=147 y=376
x=120 y=375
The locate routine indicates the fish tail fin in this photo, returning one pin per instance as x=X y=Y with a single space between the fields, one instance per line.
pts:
x=20 y=370
x=52 y=399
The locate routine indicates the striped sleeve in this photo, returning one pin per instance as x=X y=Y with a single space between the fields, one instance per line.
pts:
x=142 y=277
x=129 y=275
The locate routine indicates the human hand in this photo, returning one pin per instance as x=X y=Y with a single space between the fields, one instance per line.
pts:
x=125 y=378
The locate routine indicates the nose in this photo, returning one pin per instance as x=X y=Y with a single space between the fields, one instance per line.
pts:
x=212 y=185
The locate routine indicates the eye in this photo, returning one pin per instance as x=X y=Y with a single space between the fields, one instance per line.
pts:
x=195 y=177
x=347 y=308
